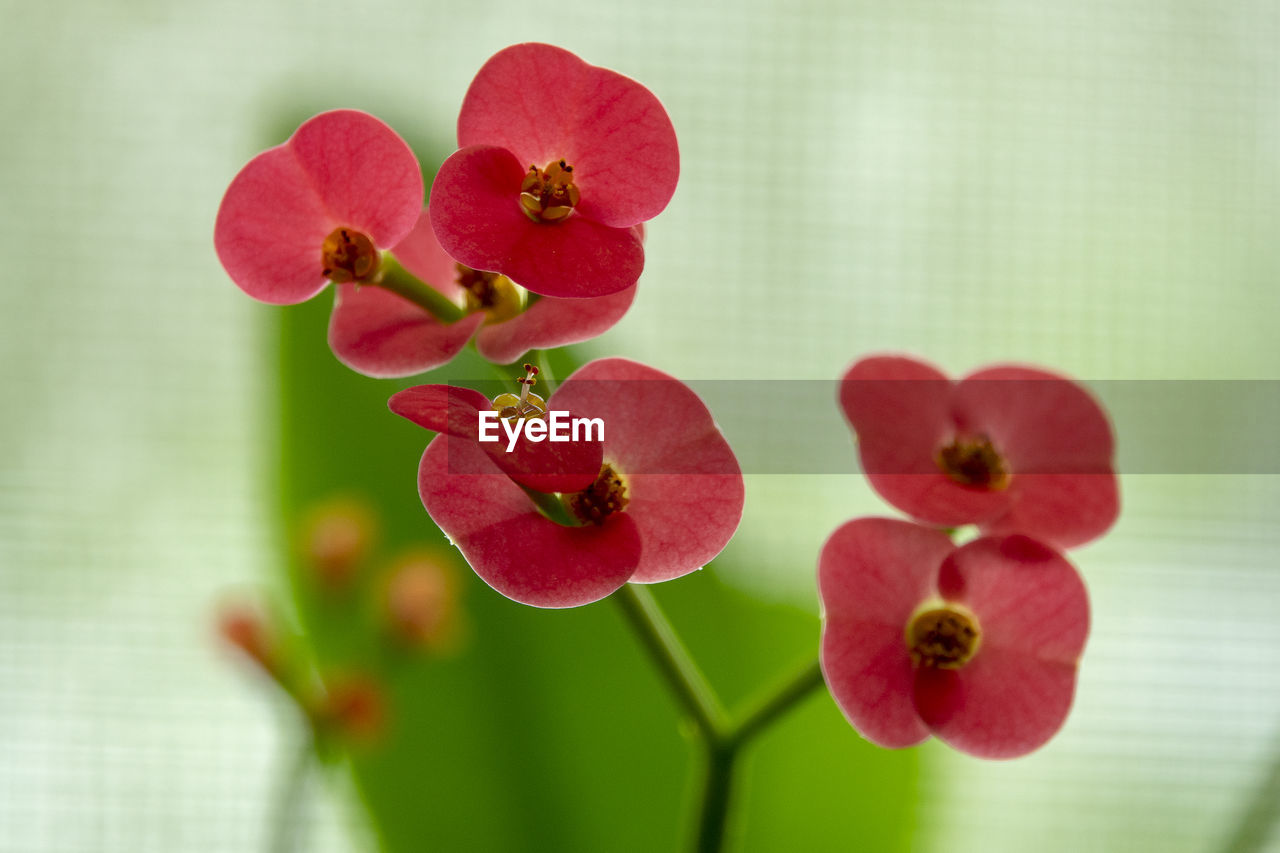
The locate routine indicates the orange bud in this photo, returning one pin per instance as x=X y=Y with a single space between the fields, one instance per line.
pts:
x=337 y=536
x=353 y=706
x=243 y=626
x=421 y=601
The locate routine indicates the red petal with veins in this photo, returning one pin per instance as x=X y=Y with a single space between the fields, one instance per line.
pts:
x=544 y=104
x=1064 y=509
x=475 y=211
x=552 y=322
x=378 y=333
x=684 y=485
x=340 y=168
x=441 y=408
x=510 y=545
x=1033 y=613
x=1059 y=446
x=1042 y=422
x=872 y=574
x=544 y=466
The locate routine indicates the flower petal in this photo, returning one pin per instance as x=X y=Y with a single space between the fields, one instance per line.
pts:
x=549 y=466
x=872 y=574
x=1002 y=705
x=441 y=408
x=513 y=548
x=545 y=466
x=552 y=322
x=1033 y=612
x=879 y=570
x=381 y=334
x=544 y=104
x=365 y=174
x=684 y=485
x=421 y=254
x=269 y=230
x=1027 y=596
x=1042 y=422
x=900 y=409
x=1065 y=510
x=476 y=214
x=339 y=168
x=1059 y=446
x=870 y=676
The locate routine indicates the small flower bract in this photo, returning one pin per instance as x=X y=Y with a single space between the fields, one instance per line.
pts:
x=976 y=644
x=1012 y=449
x=557 y=161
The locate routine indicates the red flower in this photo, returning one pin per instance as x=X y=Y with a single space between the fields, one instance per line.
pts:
x=978 y=645
x=557 y=160
x=666 y=500
x=1011 y=449
x=318 y=208
x=382 y=334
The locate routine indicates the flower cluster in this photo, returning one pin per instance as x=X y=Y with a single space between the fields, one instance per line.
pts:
x=533 y=237
x=977 y=644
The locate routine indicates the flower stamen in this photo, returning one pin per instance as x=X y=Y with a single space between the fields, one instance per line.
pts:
x=944 y=636
x=604 y=497
x=527 y=405
x=348 y=255
x=490 y=292
x=549 y=195
x=974 y=462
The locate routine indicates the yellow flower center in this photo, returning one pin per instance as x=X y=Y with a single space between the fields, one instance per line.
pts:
x=549 y=195
x=974 y=462
x=490 y=292
x=943 y=636
x=604 y=497
x=347 y=255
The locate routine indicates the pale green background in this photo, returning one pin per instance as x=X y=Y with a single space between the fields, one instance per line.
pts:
x=1090 y=185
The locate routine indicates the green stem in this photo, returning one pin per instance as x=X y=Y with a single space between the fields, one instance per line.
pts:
x=507 y=374
x=777 y=701
x=1255 y=827
x=284 y=834
x=718 y=740
x=715 y=798
x=544 y=370
x=551 y=507
x=682 y=675
x=401 y=282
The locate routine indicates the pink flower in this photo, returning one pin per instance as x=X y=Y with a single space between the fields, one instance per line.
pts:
x=1011 y=449
x=380 y=333
x=666 y=499
x=318 y=208
x=978 y=645
x=322 y=207
x=557 y=160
